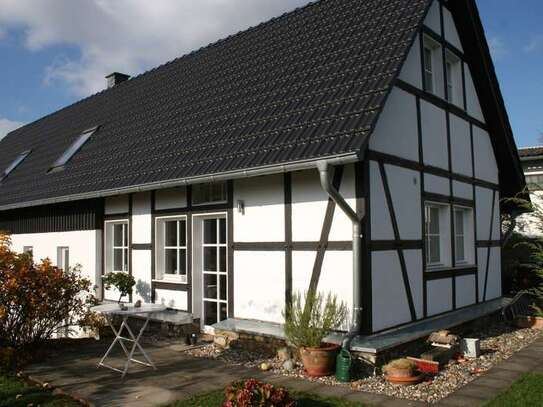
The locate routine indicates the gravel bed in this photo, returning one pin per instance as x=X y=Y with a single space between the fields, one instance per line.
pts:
x=498 y=342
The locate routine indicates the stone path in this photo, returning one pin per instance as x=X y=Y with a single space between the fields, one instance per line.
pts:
x=72 y=370
x=499 y=378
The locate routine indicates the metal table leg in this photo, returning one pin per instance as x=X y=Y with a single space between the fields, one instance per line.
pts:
x=135 y=344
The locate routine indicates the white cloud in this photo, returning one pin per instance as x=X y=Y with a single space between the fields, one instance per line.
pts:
x=128 y=35
x=536 y=43
x=8 y=125
x=497 y=48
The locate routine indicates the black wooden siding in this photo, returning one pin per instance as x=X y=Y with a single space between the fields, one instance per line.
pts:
x=62 y=217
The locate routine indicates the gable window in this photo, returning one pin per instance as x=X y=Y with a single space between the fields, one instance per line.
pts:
x=74 y=148
x=14 y=164
x=117 y=246
x=171 y=255
x=212 y=193
x=437 y=235
x=453 y=77
x=428 y=69
x=463 y=236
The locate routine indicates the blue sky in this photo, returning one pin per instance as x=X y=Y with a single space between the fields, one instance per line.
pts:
x=55 y=52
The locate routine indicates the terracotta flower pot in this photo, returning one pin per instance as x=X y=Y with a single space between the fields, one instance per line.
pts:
x=529 y=322
x=398 y=372
x=319 y=361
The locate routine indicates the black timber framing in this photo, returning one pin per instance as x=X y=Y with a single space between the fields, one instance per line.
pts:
x=489 y=248
x=488 y=243
x=366 y=292
x=339 y=245
x=386 y=245
x=230 y=253
x=403 y=266
x=287 y=191
x=325 y=233
x=440 y=172
x=430 y=196
x=130 y=215
x=439 y=102
x=61 y=217
x=449 y=273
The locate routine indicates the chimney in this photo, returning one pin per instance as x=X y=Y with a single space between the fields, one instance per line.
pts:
x=115 y=78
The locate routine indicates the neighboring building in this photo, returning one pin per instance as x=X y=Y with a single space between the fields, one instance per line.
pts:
x=531 y=159
x=200 y=177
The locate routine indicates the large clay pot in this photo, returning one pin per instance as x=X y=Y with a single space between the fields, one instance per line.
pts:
x=320 y=361
x=529 y=322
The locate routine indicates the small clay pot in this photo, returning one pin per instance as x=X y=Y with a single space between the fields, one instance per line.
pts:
x=399 y=372
x=529 y=322
x=321 y=361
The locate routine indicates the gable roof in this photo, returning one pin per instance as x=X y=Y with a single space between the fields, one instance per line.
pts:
x=305 y=86
x=530 y=152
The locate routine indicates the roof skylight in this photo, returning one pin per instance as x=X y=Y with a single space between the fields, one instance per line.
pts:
x=74 y=148
x=14 y=164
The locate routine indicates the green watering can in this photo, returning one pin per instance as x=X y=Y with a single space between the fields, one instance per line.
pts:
x=343 y=366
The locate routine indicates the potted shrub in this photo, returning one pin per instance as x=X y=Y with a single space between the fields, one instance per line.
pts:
x=534 y=321
x=123 y=282
x=402 y=371
x=307 y=323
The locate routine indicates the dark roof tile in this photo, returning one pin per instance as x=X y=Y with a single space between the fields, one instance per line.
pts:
x=305 y=85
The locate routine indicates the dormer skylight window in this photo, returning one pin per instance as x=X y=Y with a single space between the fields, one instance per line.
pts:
x=20 y=158
x=74 y=148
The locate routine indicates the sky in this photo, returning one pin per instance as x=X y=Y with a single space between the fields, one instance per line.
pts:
x=55 y=52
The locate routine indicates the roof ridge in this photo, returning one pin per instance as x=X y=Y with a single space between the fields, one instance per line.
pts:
x=186 y=55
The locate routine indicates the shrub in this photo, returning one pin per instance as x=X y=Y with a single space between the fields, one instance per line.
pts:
x=308 y=322
x=37 y=300
x=254 y=393
x=123 y=282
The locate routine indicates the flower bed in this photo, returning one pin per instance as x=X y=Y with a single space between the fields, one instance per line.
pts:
x=498 y=342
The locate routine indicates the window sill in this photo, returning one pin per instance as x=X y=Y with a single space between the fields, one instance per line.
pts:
x=458 y=267
x=170 y=281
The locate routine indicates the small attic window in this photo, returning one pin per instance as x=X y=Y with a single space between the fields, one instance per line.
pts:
x=74 y=148
x=20 y=158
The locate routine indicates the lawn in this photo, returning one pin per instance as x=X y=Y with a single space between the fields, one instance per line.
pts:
x=527 y=391
x=16 y=393
x=215 y=399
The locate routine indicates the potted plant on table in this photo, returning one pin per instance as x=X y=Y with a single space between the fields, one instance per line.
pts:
x=307 y=323
x=123 y=282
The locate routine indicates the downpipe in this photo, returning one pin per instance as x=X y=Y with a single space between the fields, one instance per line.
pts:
x=334 y=194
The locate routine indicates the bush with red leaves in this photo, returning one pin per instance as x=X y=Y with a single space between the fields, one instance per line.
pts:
x=251 y=393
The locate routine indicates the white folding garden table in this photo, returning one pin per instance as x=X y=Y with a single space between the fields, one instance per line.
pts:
x=109 y=310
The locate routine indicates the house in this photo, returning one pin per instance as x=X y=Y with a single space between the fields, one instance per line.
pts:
x=229 y=178
x=531 y=159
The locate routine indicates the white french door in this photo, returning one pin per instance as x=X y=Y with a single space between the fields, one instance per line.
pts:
x=214 y=270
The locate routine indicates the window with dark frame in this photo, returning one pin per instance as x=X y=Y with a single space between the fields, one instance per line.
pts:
x=428 y=68
x=172 y=249
x=212 y=193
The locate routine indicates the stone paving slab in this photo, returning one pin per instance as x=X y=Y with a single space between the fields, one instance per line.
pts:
x=499 y=378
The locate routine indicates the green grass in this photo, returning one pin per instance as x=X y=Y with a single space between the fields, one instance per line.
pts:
x=527 y=391
x=11 y=387
x=215 y=399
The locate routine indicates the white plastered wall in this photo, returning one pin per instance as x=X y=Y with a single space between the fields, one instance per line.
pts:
x=434 y=135
x=451 y=34
x=309 y=203
x=396 y=132
x=389 y=299
x=486 y=167
x=411 y=72
x=460 y=145
x=84 y=247
x=263 y=218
